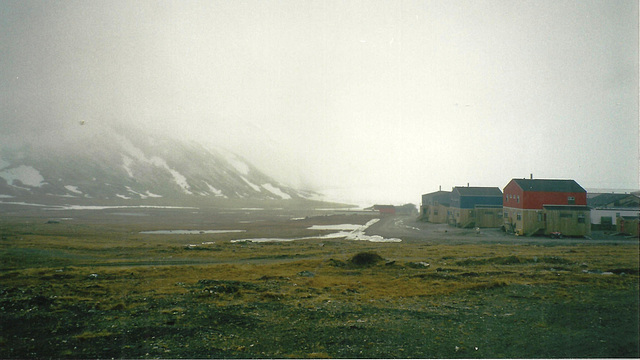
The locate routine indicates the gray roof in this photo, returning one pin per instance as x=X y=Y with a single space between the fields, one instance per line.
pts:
x=613 y=199
x=442 y=197
x=478 y=191
x=549 y=185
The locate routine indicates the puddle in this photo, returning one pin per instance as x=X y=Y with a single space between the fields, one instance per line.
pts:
x=190 y=232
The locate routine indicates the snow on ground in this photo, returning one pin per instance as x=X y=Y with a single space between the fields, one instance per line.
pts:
x=128 y=146
x=95 y=207
x=142 y=196
x=254 y=186
x=350 y=227
x=356 y=233
x=180 y=179
x=73 y=189
x=22 y=203
x=238 y=164
x=25 y=174
x=126 y=164
x=276 y=191
x=98 y=207
x=215 y=191
x=139 y=155
x=150 y=194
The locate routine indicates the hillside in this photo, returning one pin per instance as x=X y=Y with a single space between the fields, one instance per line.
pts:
x=93 y=162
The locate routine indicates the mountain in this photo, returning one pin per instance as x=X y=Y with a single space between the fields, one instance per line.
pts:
x=90 y=161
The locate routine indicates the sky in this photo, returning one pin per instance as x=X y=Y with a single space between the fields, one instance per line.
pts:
x=364 y=101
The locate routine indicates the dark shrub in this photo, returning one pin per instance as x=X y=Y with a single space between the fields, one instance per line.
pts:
x=366 y=259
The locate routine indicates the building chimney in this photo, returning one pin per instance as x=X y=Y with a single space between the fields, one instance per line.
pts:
x=531 y=176
x=440 y=188
x=467 y=184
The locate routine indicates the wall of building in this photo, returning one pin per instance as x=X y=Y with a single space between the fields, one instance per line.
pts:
x=513 y=196
x=488 y=217
x=470 y=202
x=568 y=222
x=524 y=221
x=436 y=214
x=535 y=200
x=460 y=217
x=598 y=214
x=627 y=226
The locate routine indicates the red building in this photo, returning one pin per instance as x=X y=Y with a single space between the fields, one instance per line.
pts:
x=543 y=206
x=385 y=209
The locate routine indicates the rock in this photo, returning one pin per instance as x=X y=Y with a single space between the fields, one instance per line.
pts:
x=419 y=265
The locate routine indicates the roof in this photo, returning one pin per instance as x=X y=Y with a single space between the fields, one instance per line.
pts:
x=478 y=191
x=612 y=199
x=437 y=193
x=442 y=197
x=549 y=185
x=629 y=218
x=378 y=207
x=567 y=207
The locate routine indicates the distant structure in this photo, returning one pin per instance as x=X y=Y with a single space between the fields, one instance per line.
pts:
x=545 y=206
x=406 y=209
x=385 y=209
x=615 y=212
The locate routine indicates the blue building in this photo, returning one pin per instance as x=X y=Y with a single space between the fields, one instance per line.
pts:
x=475 y=207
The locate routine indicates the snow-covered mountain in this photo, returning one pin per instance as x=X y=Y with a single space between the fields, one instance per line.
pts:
x=100 y=162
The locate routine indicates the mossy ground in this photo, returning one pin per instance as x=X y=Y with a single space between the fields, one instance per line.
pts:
x=99 y=290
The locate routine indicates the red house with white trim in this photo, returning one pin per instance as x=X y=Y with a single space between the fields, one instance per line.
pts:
x=544 y=206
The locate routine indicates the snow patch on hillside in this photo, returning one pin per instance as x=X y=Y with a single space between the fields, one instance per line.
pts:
x=26 y=174
x=150 y=194
x=139 y=155
x=131 y=149
x=254 y=186
x=238 y=164
x=127 y=162
x=73 y=189
x=276 y=191
x=215 y=191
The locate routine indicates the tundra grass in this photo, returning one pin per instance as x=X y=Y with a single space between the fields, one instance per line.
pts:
x=96 y=292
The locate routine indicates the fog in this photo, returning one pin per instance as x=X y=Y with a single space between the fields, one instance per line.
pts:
x=366 y=101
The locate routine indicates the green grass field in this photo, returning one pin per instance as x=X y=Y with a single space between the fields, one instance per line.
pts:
x=85 y=288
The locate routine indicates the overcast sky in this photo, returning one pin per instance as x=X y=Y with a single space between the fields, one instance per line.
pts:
x=377 y=101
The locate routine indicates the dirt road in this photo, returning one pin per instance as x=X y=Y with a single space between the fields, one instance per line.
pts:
x=409 y=229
